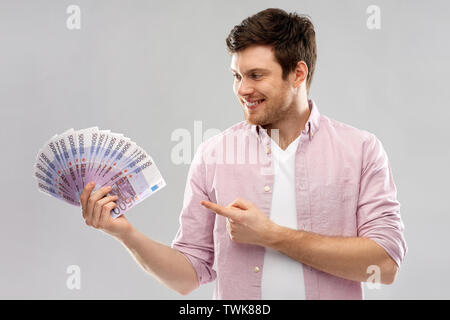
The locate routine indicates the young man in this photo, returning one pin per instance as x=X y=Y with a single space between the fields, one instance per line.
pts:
x=312 y=218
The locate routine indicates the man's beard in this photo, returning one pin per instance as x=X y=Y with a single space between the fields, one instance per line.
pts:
x=270 y=114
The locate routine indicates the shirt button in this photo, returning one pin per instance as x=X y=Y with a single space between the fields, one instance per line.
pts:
x=266 y=188
x=256 y=269
x=268 y=150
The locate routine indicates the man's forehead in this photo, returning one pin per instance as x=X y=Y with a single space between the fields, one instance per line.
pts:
x=255 y=57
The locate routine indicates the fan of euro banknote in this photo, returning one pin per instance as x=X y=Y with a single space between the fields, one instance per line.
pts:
x=69 y=161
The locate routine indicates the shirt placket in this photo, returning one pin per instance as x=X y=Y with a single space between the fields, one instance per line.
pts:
x=265 y=187
x=304 y=212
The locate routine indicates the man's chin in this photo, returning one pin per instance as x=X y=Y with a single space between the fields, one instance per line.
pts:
x=255 y=121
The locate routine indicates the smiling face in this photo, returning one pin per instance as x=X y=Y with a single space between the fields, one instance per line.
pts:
x=264 y=96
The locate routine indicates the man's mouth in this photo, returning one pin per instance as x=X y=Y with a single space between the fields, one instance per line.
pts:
x=252 y=105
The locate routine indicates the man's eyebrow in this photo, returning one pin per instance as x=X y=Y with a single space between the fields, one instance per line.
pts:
x=253 y=70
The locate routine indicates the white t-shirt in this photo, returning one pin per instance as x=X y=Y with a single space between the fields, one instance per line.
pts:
x=282 y=277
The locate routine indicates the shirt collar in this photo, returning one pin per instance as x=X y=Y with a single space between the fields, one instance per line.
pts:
x=311 y=126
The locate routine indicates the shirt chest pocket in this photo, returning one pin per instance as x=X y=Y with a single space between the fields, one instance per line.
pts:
x=338 y=192
x=337 y=202
x=340 y=196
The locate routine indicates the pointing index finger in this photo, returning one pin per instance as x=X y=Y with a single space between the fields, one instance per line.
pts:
x=221 y=210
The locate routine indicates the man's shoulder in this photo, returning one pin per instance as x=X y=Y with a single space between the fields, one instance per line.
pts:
x=344 y=130
x=349 y=139
x=237 y=129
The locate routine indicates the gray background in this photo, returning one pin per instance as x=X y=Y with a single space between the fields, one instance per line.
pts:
x=147 y=68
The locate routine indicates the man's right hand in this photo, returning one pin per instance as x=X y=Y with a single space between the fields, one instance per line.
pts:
x=96 y=208
x=163 y=262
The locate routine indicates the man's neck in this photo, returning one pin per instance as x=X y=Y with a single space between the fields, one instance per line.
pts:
x=291 y=126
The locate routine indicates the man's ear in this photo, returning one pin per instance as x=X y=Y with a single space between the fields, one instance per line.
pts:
x=300 y=74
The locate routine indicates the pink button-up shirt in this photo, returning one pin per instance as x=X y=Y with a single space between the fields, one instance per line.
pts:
x=344 y=187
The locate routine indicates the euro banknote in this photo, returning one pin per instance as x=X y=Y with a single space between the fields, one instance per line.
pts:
x=70 y=160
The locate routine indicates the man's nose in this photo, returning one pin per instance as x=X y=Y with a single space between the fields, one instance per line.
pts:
x=244 y=88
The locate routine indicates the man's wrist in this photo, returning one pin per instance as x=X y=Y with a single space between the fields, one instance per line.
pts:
x=274 y=236
x=281 y=234
x=127 y=235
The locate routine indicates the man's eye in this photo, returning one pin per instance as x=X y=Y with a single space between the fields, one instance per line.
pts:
x=255 y=76
x=236 y=76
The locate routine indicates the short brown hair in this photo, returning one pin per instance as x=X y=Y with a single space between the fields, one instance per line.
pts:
x=291 y=35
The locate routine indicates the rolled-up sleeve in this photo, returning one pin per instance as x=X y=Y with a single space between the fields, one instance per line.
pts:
x=378 y=214
x=194 y=238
